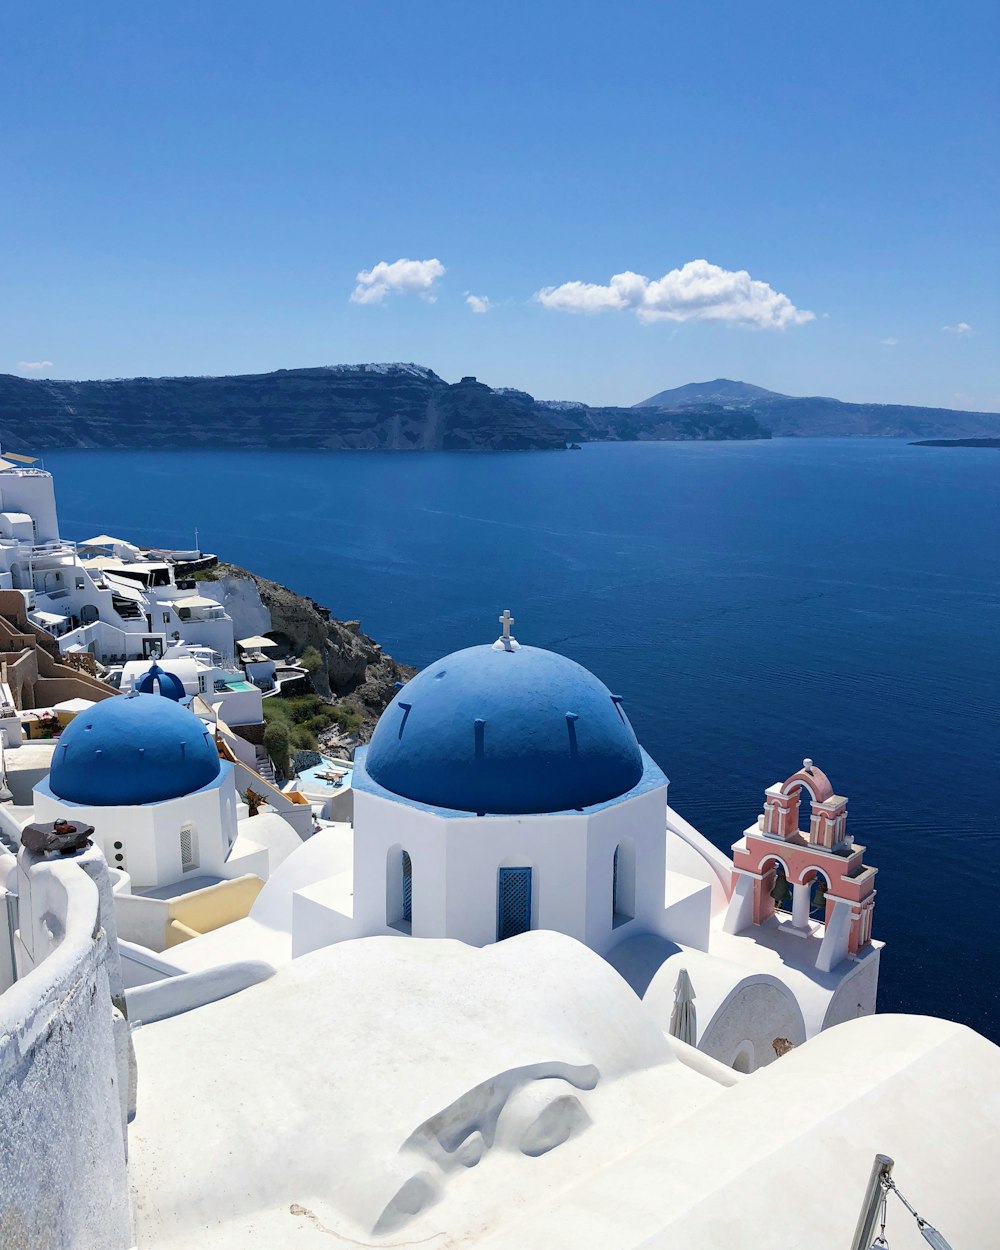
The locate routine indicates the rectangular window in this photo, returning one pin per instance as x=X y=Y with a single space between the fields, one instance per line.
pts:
x=166 y=618
x=513 y=902
x=189 y=851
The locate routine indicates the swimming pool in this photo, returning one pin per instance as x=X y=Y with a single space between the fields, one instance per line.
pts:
x=310 y=779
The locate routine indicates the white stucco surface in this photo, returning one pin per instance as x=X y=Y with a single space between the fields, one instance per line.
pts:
x=386 y=1092
x=782 y=1159
x=273 y=832
x=240 y=598
x=383 y=1085
x=267 y=932
x=775 y=950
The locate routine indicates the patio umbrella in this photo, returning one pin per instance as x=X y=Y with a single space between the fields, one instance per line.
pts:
x=684 y=1017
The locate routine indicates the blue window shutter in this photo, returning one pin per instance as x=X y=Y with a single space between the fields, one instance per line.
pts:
x=513 y=902
x=407 y=871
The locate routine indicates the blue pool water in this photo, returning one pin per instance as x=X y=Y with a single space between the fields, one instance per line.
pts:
x=310 y=778
x=753 y=602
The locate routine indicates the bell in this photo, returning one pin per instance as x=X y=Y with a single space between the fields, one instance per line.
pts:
x=779 y=891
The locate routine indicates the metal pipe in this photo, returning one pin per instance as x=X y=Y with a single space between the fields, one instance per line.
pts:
x=865 y=1230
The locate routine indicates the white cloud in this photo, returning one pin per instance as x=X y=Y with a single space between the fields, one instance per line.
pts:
x=33 y=366
x=889 y=342
x=479 y=303
x=698 y=291
x=963 y=327
x=401 y=277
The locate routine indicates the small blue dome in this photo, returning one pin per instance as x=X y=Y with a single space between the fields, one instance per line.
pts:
x=131 y=750
x=507 y=732
x=157 y=681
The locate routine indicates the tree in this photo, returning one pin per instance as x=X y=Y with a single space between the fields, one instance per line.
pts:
x=278 y=747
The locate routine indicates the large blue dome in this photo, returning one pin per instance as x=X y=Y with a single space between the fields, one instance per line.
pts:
x=487 y=730
x=130 y=750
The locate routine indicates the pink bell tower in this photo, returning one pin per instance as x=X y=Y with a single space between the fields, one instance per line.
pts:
x=775 y=855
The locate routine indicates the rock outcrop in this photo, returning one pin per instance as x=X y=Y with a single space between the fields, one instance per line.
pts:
x=353 y=671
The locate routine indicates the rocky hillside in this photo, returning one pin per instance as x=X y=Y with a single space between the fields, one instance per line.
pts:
x=354 y=407
x=354 y=670
x=709 y=421
x=409 y=408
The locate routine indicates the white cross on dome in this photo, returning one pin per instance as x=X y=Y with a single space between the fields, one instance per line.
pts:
x=506 y=641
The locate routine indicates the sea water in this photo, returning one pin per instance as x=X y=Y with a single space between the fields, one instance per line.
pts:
x=754 y=603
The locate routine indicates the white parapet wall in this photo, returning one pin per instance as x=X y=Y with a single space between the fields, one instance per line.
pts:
x=64 y=1065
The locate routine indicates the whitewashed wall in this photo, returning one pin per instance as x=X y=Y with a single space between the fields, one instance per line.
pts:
x=150 y=832
x=62 y=1168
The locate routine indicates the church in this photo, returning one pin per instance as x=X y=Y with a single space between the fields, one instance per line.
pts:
x=504 y=790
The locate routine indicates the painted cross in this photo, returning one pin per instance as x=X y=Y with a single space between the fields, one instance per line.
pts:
x=506 y=620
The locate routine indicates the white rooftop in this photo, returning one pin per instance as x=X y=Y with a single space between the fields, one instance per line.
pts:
x=386 y=1091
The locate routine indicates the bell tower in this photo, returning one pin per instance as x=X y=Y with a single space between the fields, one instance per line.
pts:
x=775 y=856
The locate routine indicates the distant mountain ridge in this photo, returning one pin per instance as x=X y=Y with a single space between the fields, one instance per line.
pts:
x=816 y=416
x=722 y=391
x=408 y=407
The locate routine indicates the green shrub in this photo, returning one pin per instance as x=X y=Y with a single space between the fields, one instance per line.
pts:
x=347 y=718
x=311 y=660
x=304 y=739
x=307 y=715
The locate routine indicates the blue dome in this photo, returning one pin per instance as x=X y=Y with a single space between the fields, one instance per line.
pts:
x=508 y=732
x=130 y=750
x=156 y=681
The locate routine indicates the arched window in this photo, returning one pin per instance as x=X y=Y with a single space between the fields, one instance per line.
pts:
x=406 y=869
x=623 y=883
x=743 y=1059
x=398 y=889
x=513 y=902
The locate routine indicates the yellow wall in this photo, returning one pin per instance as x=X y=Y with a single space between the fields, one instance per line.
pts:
x=201 y=911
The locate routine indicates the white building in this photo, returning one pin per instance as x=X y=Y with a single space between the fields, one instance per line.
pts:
x=105 y=596
x=236 y=698
x=145 y=772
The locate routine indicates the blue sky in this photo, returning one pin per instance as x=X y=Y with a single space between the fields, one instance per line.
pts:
x=195 y=188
